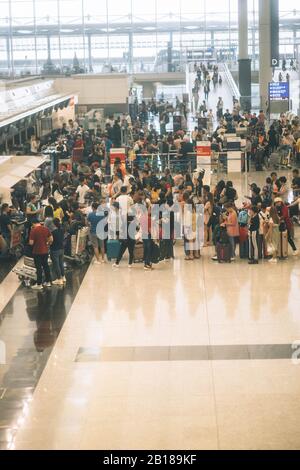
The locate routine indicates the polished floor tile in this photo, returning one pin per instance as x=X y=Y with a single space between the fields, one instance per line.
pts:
x=31 y=323
x=189 y=356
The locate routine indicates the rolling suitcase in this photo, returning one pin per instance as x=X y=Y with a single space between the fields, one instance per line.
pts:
x=112 y=249
x=223 y=253
x=138 y=254
x=283 y=245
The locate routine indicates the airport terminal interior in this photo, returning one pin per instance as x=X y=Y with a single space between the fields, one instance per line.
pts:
x=149 y=225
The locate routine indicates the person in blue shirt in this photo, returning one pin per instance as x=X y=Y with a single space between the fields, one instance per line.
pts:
x=97 y=215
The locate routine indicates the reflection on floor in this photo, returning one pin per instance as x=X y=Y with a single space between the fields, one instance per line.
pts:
x=194 y=355
x=5 y=267
x=30 y=325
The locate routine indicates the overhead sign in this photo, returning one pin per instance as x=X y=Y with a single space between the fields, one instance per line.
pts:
x=279 y=91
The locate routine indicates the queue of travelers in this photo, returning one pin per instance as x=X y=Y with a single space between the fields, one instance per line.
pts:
x=92 y=192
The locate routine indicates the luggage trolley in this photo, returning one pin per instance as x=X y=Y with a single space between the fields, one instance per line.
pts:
x=80 y=252
x=27 y=272
x=16 y=248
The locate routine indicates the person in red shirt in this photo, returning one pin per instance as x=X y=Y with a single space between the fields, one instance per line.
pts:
x=40 y=239
x=283 y=213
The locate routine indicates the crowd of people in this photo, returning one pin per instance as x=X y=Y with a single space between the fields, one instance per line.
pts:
x=91 y=191
x=207 y=77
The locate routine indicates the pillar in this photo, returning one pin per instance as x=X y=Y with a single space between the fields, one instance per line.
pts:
x=295 y=43
x=254 y=47
x=49 y=47
x=130 y=52
x=90 y=53
x=170 y=56
x=212 y=38
x=8 y=54
x=265 y=48
x=244 y=61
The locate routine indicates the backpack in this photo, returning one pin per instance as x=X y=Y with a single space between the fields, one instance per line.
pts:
x=243 y=218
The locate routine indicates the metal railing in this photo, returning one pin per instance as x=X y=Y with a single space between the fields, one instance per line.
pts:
x=231 y=82
x=174 y=161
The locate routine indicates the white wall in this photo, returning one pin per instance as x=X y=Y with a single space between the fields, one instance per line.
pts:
x=96 y=89
x=62 y=115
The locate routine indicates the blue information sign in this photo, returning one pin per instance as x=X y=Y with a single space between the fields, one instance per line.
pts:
x=279 y=91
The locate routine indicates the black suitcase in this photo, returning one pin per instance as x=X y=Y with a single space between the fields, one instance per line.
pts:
x=138 y=254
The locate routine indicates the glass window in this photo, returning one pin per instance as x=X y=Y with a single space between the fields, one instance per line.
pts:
x=145 y=11
x=289 y=9
x=95 y=12
x=22 y=12
x=4 y=13
x=99 y=47
x=169 y=10
x=42 y=48
x=46 y=12
x=3 y=56
x=70 y=12
x=119 y=11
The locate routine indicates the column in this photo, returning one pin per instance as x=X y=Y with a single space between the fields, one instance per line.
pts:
x=8 y=55
x=212 y=39
x=170 y=56
x=90 y=53
x=244 y=61
x=295 y=42
x=11 y=44
x=49 y=47
x=254 y=48
x=265 y=69
x=130 y=52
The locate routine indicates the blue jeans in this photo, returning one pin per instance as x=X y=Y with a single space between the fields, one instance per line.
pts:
x=232 y=246
x=147 y=251
x=57 y=258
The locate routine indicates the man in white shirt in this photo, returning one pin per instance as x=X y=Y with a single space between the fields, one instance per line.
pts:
x=125 y=201
x=82 y=190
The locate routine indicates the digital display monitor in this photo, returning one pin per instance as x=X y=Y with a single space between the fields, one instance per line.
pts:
x=279 y=91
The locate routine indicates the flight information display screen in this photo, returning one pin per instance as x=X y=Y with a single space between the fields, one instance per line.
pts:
x=279 y=91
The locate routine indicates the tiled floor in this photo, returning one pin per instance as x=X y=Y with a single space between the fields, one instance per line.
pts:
x=30 y=324
x=221 y=90
x=189 y=356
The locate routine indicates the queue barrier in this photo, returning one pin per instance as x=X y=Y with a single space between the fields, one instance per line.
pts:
x=159 y=162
